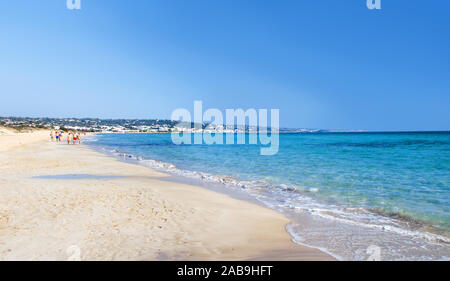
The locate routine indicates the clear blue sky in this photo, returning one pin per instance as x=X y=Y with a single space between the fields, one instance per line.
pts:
x=329 y=64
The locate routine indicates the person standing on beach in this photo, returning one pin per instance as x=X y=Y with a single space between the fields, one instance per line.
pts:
x=51 y=135
x=68 y=137
x=60 y=136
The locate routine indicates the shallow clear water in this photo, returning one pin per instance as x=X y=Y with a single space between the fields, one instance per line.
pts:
x=393 y=189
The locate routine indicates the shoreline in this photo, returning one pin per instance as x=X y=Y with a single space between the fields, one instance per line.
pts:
x=221 y=188
x=386 y=225
x=123 y=211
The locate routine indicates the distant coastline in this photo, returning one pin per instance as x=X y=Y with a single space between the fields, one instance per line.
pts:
x=96 y=125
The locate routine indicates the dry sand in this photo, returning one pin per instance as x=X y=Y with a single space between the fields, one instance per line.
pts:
x=130 y=215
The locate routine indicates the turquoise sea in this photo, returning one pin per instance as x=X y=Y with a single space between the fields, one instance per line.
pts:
x=344 y=192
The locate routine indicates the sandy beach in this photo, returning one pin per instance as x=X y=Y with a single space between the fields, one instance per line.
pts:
x=111 y=210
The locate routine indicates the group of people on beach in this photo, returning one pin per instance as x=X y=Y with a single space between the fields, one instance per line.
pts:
x=72 y=137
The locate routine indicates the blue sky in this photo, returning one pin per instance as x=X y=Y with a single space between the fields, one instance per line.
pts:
x=324 y=63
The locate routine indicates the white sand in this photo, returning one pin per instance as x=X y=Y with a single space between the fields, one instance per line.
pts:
x=135 y=217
